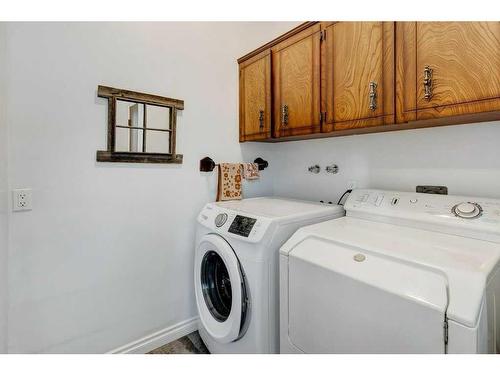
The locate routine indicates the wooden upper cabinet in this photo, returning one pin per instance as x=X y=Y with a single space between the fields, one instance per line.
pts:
x=296 y=83
x=358 y=71
x=341 y=78
x=447 y=68
x=255 y=98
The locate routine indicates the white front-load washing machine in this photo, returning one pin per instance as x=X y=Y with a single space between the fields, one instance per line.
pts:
x=236 y=269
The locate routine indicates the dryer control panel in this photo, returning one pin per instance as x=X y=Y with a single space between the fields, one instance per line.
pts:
x=233 y=224
x=479 y=217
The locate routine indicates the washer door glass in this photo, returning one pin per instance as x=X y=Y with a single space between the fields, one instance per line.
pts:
x=221 y=293
x=216 y=286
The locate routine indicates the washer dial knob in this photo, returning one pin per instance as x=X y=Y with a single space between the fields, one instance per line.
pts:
x=220 y=220
x=467 y=210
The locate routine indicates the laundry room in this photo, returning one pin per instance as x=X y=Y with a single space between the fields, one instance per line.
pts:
x=232 y=183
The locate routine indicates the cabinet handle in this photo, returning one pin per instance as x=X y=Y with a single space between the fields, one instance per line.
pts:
x=284 y=115
x=427 y=83
x=373 y=96
x=261 y=119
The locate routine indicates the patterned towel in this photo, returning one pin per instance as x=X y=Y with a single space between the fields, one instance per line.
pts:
x=229 y=187
x=250 y=171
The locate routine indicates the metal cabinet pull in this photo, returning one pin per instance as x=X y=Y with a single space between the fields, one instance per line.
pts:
x=427 y=83
x=284 y=115
x=261 y=119
x=373 y=96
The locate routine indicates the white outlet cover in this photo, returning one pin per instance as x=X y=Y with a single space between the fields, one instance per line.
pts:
x=22 y=200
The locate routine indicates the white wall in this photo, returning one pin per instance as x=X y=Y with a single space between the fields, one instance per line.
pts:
x=466 y=158
x=3 y=203
x=105 y=257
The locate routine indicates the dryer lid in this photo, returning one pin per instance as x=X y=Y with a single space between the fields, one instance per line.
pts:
x=465 y=264
x=418 y=284
x=342 y=300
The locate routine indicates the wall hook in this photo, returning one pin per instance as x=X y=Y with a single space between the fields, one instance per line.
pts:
x=263 y=164
x=207 y=164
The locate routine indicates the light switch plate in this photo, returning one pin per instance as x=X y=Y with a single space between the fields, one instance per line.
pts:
x=21 y=200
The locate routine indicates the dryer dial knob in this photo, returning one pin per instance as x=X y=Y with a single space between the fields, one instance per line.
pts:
x=220 y=220
x=467 y=210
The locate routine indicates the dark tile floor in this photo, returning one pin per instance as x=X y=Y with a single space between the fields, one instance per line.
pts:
x=189 y=344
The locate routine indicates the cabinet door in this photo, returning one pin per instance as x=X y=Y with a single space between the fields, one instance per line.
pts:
x=448 y=68
x=358 y=67
x=296 y=84
x=255 y=98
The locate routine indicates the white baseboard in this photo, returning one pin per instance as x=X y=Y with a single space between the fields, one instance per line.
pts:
x=159 y=338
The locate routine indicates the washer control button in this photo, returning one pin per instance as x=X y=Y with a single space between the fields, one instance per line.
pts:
x=413 y=200
x=467 y=210
x=220 y=220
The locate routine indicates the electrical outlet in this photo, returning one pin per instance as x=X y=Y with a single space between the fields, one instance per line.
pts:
x=21 y=200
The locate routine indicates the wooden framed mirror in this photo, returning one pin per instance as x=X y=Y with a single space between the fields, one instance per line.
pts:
x=141 y=127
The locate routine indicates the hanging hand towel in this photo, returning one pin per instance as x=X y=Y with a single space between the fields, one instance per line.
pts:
x=250 y=171
x=229 y=187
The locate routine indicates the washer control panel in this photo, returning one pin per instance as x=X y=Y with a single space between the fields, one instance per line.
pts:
x=233 y=224
x=461 y=213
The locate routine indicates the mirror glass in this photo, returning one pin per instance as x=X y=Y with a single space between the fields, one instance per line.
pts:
x=157 y=141
x=142 y=128
x=158 y=117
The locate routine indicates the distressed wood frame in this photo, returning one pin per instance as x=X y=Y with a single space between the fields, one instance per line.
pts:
x=111 y=155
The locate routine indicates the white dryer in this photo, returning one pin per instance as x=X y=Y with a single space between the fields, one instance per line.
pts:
x=401 y=273
x=236 y=271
